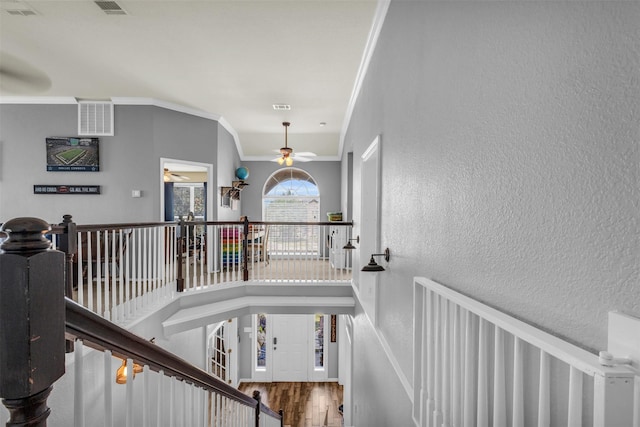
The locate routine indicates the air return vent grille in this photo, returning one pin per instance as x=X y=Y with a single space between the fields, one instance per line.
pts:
x=110 y=7
x=21 y=12
x=95 y=118
x=17 y=8
x=281 y=107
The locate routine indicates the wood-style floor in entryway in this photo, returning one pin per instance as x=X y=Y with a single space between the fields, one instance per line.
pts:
x=312 y=404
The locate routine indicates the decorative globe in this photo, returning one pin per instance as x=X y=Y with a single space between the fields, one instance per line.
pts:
x=242 y=173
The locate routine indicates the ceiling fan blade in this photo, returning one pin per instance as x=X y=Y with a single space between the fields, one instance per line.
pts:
x=305 y=154
x=302 y=159
x=18 y=76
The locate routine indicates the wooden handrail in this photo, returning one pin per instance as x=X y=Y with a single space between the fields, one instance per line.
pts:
x=59 y=229
x=266 y=410
x=101 y=334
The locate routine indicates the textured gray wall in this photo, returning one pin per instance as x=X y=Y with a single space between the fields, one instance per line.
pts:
x=226 y=173
x=128 y=160
x=326 y=174
x=509 y=169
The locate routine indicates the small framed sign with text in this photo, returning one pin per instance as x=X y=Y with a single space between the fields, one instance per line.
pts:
x=66 y=189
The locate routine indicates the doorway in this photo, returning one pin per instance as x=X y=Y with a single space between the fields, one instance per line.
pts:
x=193 y=182
x=290 y=348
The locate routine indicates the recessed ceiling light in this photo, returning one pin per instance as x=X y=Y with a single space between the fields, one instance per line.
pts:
x=323 y=123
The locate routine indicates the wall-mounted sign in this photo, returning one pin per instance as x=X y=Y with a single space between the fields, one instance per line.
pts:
x=66 y=189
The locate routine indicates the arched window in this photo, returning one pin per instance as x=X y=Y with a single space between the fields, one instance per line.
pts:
x=292 y=195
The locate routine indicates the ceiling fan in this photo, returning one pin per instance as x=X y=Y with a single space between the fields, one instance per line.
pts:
x=18 y=76
x=286 y=152
x=170 y=176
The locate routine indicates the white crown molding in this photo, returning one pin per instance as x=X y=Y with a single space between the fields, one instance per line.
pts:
x=131 y=101
x=166 y=105
x=270 y=158
x=227 y=126
x=38 y=100
x=376 y=27
x=186 y=110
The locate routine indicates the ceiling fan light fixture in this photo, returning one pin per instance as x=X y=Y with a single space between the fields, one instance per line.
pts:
x=286 y=152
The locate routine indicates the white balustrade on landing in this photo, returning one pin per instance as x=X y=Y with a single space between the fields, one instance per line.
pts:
x=301 y=253
x=148 y=399
x=476 y=366
x=295 y=252
x=124 y=271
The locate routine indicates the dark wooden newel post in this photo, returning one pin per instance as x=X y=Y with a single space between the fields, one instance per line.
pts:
x=32 y=320
x=181 y=240
x=245 y=249
x=68 y=243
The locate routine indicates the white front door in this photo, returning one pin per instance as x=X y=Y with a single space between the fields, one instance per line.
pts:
x=290 y=347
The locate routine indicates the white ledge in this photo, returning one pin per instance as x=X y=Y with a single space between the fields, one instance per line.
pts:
x=201 y=308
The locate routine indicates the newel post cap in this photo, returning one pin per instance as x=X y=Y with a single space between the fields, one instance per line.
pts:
x=25 y=236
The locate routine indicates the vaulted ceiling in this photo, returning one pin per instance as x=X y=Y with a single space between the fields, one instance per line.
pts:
x=233 y=59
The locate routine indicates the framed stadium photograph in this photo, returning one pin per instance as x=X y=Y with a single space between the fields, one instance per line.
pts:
x=70 y=154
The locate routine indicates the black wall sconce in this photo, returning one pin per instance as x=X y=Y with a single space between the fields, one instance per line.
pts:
x=349 y=246
x=373 y=265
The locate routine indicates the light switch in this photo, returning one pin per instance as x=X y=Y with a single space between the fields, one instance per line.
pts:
x=136 y=193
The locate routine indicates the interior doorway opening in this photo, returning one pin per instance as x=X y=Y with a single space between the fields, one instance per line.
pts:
x=186 y=185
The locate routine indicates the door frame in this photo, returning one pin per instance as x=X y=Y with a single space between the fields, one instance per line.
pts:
x=230 y=338
x=266 y=374
x=211 y=197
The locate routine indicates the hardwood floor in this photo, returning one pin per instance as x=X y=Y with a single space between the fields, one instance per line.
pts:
x=304 y=404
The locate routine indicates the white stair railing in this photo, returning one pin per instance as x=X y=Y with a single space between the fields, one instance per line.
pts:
x=476 y=366
x=149 y=399
x=159 y=388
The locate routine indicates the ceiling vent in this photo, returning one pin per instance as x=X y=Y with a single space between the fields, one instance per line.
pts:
x=18 y=8
x=110 y=7
x=95 y=118
x=21 y=12
x=281 y=107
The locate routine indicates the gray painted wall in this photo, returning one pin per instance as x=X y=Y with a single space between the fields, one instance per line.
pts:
x=128 y=160
x=326 y=174
x=226 y=173
x=509 y=167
